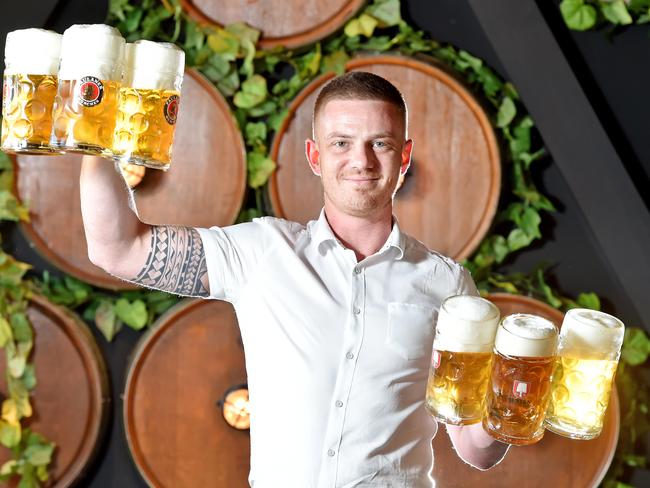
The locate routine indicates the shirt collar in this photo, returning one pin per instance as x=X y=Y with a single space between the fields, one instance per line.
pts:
x=322 y=232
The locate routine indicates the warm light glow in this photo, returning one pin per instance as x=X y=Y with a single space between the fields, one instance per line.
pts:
x=236 y=409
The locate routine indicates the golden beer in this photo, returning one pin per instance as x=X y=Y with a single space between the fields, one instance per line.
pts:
x=148 y=104
x=520 y=379
x=460 y=362
x=85 y=108
x=589 y=349
x=28 y=90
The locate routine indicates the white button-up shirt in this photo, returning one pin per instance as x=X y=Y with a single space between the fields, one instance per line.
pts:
x=337 y=351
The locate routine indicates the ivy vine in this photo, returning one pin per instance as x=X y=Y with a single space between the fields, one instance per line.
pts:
x=583 y=15
x=259 y=85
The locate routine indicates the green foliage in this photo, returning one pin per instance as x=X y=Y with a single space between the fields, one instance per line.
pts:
x=109 y=310
x=583 y=15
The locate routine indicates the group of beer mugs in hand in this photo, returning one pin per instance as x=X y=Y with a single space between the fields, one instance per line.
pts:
x=519 y=375
x=89 y=91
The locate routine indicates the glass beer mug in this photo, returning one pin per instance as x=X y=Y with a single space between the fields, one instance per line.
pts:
x=590 y=345
x=520 y=380
x=28 y=90
x=148 y=104
x=460 y=362
x=92 y=59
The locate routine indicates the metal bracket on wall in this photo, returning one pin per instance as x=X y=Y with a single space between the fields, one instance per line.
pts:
x=582 y=149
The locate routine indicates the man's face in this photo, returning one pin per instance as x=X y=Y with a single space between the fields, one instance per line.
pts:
x=359 y=151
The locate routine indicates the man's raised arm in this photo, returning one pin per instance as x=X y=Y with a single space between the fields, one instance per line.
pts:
x=163 y=257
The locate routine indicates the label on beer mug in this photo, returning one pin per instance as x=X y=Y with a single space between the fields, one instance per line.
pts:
x=435 y=359
x=91 y=91
x=520 y=388
x=170 y=109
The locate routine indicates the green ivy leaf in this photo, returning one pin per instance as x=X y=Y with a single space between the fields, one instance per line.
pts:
x=16 y=366
x=134 y=314
x=229 y=85
x=589 y=300
x=548 y=292
x=616 y=12
x=194 y=36
x=335 y=62
x=9 y=433
x=5 y=332
x=260 y=168
x=253 y=92
x=255 y=132
x=22 y=330
x=243 y=32
x=387 y=12
x=224 y=43
x=216 y=68
x=518 y=239
x=106 y=320
x=363 y=25
x=577 y=15
x=11 y=208
x=29 y=377
x=39 y=454
x=507 y=112
x=275 y=120
x=636 y=346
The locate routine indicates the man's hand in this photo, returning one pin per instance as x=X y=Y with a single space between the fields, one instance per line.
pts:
x=475 y=446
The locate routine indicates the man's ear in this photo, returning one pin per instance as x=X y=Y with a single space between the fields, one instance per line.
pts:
x=313 y=156
x=406 y=156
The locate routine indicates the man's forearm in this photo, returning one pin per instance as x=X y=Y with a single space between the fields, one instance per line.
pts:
x=474 y=446
x=117 y=240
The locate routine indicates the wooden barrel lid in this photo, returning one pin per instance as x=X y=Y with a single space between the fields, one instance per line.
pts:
x=283 y=23
x=553 y=461
x=71 y=397
x=205 y=185
x=176 y=434
x=451 y=192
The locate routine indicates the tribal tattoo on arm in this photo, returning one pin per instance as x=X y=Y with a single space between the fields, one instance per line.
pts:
x=176 y=262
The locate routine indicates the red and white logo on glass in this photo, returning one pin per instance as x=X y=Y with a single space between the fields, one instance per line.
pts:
x=520 y=388
x=435 y=359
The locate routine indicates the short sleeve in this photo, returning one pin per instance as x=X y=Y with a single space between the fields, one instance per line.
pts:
x=232 y=254
x=466 y=285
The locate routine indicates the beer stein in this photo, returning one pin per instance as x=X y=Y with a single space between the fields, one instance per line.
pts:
x=85 y=108
x=590 y=345
x=460 y=362
x=148 y=104
x=520 y=380
x=28 y=90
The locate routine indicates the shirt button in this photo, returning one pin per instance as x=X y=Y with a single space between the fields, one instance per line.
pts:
x=330 y=452
x=349 y=355
x=339 y=403
x=357 y=270
x=356 y=311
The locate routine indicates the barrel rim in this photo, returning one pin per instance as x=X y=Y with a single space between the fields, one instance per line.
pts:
x=95 y=363
x=303 y=38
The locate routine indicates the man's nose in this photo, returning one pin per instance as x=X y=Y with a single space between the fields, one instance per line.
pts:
x=364 y=157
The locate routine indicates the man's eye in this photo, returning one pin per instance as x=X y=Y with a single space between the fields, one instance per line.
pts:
x=380 y=144
x=339 y=143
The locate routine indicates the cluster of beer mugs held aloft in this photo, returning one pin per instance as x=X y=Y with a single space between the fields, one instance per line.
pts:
x=89 y=91
x=519 y=375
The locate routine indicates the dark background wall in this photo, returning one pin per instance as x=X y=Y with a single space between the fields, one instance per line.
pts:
x=613 y=70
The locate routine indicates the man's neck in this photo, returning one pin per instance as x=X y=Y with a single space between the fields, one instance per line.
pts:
x=364 y=235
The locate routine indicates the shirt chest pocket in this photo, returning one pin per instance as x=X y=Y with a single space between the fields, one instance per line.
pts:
x=410 y=329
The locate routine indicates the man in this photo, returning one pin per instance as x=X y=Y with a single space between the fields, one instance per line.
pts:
x=340 y=312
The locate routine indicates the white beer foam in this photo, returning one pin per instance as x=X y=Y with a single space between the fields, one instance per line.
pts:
x=32 y=52
x=589 y=334
x=466 y=323
x=92 y=50
x=154 y=65
x=526 y=335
